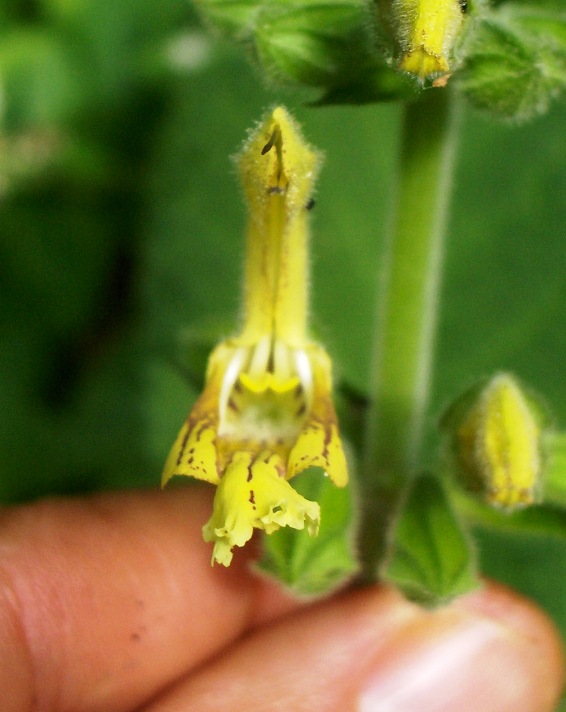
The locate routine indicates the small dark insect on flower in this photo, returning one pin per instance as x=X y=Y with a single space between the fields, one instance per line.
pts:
x=310 y=204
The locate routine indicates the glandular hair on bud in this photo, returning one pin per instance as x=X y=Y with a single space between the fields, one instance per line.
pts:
x=495 y=437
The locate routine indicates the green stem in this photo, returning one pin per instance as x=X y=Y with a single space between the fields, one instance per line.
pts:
x=406 y=317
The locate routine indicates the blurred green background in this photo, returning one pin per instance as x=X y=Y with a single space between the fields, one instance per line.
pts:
x=122 y=224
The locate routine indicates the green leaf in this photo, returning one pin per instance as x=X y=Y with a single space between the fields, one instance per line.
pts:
x=325 y=44
x=315 y=565
x=431 y=558
x=321 y=44
x=515 y=61
x=312 y=42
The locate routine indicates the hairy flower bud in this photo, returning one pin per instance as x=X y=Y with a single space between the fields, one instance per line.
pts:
x=422 y=34
x=495 y=434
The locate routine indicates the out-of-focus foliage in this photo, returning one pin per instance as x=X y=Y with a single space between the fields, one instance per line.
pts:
x=514 y=61
x=122 y=225
x=83 y=86
x=507 y=58
x=325 y=47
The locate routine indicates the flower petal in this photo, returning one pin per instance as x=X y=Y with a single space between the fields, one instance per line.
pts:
x=194 y=452
x=319 y=443
x=254 y=494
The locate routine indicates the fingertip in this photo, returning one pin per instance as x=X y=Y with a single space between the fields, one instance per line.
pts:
x=372 y=651
x=491 y=650
x=535 y=639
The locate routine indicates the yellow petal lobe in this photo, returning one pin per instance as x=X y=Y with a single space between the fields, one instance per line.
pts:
x=253 y=494
x=319 y=443
x=194 y=452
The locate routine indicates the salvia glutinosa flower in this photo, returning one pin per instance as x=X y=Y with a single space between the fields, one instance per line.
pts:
x=266 y=412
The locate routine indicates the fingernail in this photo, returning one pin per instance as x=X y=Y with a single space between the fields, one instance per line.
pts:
x=444 y=664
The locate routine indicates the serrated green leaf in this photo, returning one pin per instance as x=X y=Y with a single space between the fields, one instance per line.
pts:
x=315 y=565
x=515 y=61
x=431 y=558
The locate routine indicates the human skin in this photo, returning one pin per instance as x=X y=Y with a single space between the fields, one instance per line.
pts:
x=109 y=604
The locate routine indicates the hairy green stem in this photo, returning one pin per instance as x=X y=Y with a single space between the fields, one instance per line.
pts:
x=406 y=317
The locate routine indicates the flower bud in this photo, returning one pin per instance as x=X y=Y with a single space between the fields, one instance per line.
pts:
x=495 y=432
x=422 y=34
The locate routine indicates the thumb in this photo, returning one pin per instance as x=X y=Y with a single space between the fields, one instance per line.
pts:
x=371 y=651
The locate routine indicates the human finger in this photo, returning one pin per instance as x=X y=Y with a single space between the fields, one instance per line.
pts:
x=371 y=651
x=106 y=600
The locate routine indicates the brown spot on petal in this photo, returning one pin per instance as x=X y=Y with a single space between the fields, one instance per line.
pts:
x=232 y=405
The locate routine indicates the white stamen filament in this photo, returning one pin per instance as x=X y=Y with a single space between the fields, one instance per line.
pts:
x=260 y=358
x=304 y=371
x=230 y=377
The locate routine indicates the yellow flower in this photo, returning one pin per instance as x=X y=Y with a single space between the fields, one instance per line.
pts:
x=266 y=412
x=426 y=31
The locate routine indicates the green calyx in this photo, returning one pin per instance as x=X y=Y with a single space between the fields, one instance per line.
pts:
x=508 y=59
